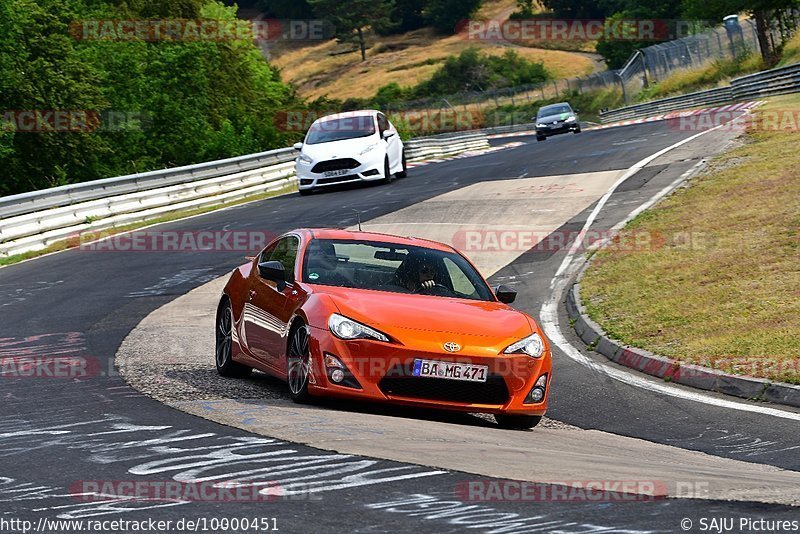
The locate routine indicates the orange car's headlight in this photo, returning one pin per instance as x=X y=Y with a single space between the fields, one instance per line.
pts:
x=345 y=328
x=532 y=345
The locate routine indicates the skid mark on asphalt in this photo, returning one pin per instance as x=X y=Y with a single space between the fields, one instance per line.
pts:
x=462 y=515
x=64 y=343
x=272 y=467
x=736 y=443
x=186 y=276
x=12 y=294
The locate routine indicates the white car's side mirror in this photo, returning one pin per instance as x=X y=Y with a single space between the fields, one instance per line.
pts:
x=298 y=146
x=387 y=134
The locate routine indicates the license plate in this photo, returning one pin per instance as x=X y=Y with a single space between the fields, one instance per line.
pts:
x=340 y=172
x=450 y=370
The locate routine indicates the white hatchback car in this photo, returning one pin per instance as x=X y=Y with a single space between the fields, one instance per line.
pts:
x=354 y=146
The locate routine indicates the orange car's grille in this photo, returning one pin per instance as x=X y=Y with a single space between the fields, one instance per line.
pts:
x=493 y=391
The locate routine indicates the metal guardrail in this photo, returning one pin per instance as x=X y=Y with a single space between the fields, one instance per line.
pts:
x=33 y=221
x=120 y=185
x=443 y=145
x=782 y=80
x=779 y=81
x=701 y=98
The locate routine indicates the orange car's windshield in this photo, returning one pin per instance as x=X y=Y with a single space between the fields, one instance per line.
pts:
x=390 y=267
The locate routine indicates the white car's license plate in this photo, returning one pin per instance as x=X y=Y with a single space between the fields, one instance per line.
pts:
x=340 y=172
x=450 y=370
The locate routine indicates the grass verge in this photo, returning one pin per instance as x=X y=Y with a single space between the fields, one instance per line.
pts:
x=722 y=288
x=65 y=244
x=708 y=76
x=791 y=52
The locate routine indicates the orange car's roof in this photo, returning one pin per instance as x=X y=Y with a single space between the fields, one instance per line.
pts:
x=338 y=233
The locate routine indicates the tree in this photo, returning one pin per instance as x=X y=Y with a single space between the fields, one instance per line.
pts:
x=160 y=104
x=407 y=16
x=577 y=9
x=285 y=9
x=525 y=8
x=764 y=12
x=447 y=15
x=351 y=17
x=618 y=46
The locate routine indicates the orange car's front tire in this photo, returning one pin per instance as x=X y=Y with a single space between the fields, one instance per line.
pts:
x=517 y=422
x=298 y=362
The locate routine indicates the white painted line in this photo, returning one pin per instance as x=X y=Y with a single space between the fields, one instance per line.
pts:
x=602 y=202
x=655 y=198
x=549 y=311
x=549 y=318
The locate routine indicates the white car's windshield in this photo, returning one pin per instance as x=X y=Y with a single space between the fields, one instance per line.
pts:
x=339 y=129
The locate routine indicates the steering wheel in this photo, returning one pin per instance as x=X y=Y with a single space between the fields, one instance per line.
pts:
x=433 y=288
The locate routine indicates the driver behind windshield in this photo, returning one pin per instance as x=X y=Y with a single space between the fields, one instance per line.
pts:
x=417 y=272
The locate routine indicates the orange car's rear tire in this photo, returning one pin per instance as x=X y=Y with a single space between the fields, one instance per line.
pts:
x=517 y=422
x=224 y=344
x=298 y=363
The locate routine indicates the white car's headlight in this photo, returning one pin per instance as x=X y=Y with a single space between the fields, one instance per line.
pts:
x=373 y=146
x=345 y=328
x=571 y=118
x=304 y=158
x=532 y=346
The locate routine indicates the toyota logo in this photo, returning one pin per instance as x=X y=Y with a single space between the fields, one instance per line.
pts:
x=452 y=347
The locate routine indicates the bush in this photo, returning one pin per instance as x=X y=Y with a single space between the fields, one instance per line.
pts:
x=474 y=71
x=388 y=94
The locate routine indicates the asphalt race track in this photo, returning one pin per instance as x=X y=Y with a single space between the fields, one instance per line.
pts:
x=61 y=434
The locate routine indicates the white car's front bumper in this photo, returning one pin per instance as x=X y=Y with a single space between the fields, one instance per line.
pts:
x=361 y=168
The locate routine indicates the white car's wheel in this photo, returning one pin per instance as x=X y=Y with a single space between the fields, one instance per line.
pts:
x=403 y=173
x=387 y=172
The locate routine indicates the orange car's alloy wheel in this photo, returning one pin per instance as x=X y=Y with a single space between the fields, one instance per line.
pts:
x=299 y=364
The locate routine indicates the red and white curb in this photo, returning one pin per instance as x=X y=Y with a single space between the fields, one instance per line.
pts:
x=468 y=154
x=742 y=106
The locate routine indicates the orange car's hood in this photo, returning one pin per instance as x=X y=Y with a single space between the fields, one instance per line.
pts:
x=427 y=322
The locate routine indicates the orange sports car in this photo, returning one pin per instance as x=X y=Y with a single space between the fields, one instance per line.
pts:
x=383 y=318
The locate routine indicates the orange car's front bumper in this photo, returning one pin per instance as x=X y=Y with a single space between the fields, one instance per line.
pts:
x=383 y=372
